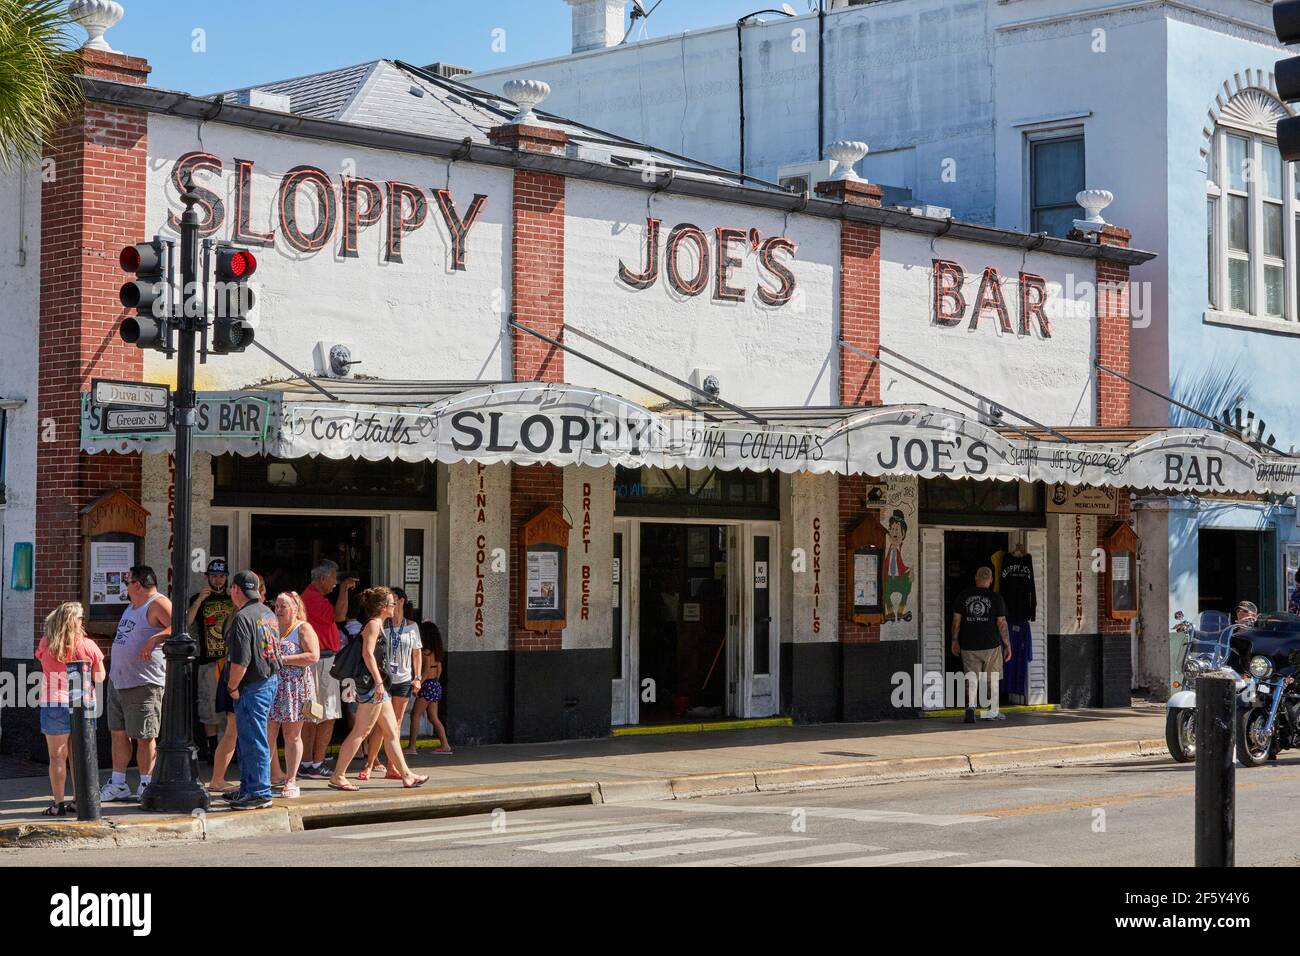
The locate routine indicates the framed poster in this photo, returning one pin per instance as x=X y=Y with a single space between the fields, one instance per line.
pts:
x=865 y=555
x=543 y=561
x=110 y=568
x=112 y=541
x=1122 y=573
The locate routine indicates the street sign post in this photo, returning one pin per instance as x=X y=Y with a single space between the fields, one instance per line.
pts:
x=107 y=391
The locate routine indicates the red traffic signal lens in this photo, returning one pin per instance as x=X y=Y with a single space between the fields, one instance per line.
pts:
x=238 y=263
x=129 y=259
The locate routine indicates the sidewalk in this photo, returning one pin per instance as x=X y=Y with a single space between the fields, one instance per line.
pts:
x=670 y=766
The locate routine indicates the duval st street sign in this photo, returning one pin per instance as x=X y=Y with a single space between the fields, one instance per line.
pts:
x=107 y=392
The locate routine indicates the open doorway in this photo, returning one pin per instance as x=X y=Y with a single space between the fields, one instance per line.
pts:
x=1234 y=566
x=964 y=553
x=683 y=621
x=284 y=548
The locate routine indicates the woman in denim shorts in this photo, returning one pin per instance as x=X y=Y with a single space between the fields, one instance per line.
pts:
x=64 y=641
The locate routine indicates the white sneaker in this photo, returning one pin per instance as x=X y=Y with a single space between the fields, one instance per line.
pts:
x=139 y=794
x=114 y=792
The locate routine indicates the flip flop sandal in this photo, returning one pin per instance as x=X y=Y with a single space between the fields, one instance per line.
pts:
x=345 y=787
x=363 y=774
x=53 y=810
x=392 y=775
x=420 y=781
x=68 y=808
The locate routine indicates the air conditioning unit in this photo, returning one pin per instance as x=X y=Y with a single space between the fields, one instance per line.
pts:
x=803 y=177
x=264 y=99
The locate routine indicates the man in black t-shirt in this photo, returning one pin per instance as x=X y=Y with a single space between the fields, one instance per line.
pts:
x=210 y=610
x=252 y=676
x=981 y=638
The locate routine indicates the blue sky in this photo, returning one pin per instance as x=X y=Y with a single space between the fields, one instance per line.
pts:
x=256 y=41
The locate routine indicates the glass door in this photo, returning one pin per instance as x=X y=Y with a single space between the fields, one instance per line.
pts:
x=757 y=591
x=623 y=697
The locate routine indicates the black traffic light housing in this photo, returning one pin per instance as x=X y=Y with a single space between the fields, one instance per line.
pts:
x=149 y=328
x=1286 y=24
x=231 y=331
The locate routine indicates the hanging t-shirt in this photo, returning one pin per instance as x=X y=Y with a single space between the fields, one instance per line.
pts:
x=980 y=609
x=211 y=618
x=1018 y=588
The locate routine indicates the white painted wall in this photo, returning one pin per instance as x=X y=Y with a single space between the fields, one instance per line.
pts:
x=811 y=521
x=765 y=355
x=1072 y=584
x=1048 y=379
x=20 y=272
x=417 y=319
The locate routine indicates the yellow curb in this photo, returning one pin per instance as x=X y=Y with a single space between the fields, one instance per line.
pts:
x=754 y=723
x=1009 y=709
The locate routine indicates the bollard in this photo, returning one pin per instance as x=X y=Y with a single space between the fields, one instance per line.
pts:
x=1216 y=711
x=85 y=752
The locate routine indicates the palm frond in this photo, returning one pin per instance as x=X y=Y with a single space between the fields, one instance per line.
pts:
x=1211 y=390
x=38 y=63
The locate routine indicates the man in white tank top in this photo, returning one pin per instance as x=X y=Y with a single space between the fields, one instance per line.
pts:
x=136 y=676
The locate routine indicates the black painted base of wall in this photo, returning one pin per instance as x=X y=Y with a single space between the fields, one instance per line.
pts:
x=1116 y=670
x=1074 y=670
x=868 y=680
x=497 y=697
x=813 y=693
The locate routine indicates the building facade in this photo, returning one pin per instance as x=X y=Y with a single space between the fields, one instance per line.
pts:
x=1000 y=112
x=647 y=441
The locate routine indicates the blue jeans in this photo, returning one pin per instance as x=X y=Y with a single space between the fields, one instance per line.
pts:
x=251 y=747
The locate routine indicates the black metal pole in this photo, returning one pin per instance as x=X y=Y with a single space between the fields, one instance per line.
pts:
x=85 y=753
x=1216 y=707
x=175 y=786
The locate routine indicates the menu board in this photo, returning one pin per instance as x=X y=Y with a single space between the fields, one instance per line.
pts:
x=110 y=569
x=543 y=581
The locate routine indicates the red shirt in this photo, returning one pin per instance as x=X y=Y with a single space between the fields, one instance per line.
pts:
x=54 y=684
x=320 y=615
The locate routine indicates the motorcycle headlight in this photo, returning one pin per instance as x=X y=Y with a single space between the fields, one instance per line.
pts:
x=1260 y=667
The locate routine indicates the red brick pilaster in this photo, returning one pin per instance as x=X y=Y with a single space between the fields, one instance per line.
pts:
x=92 y=204
x=1113 y=329
x=859 y=292
x=532 y=487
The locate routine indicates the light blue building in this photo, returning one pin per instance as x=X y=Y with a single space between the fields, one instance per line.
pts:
x=1001 y=110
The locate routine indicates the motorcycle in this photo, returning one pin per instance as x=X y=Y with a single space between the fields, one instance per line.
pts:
x=1210 y=647
x=1271 y=650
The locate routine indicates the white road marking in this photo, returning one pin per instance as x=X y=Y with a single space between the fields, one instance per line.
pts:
x=566 y=830
x=1002 y=863
x=781 y=856
x=705 y=846
x=889 y=859
x=829 y=813
x=477 y=823
x=663 y=836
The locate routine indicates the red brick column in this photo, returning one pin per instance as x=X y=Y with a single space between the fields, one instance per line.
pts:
x=92 y=204
x=1113 y=328
x=1113 y=395
x=532 y=487
x=859 y=316
x=537 y=301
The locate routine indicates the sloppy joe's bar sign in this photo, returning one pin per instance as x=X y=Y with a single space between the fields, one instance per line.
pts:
x=337 y=212
x=530 y=423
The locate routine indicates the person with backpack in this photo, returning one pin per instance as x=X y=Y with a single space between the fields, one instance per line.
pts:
x=252 y=676
x=361 y=667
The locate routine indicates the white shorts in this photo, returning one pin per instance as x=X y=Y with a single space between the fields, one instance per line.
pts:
x=328 y=692
x=206 y=705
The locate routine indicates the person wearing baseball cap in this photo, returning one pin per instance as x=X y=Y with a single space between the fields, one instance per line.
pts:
x=211 y=607
x=252 y=675
x=1247 y=612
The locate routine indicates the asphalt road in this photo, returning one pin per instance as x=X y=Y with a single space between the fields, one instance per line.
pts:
x=1116 y=813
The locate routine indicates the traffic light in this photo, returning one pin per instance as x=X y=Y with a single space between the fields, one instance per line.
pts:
x=148 y=328
x=1286 y=24
x=231 y=331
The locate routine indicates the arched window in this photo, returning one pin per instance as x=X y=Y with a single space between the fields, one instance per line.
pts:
x=1252 y=213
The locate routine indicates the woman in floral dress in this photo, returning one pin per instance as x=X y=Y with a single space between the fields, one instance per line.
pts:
x=299 y=649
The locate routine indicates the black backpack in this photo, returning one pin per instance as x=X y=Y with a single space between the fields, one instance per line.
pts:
x=350 y=662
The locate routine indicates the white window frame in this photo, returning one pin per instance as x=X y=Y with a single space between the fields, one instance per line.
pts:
x=1219 y=310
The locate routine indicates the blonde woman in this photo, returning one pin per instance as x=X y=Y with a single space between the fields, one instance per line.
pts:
x=299 y=650
x=373 y=702
x=64 y=640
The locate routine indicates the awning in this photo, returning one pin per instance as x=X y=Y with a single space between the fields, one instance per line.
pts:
x=535 y=423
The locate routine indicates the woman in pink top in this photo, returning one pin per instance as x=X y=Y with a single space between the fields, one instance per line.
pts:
x=64 y=640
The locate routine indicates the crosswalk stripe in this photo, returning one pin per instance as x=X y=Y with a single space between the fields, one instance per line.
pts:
x=477 y=823
x=661 y=836
x=856 y=814
x=565 y=830
x=781 y=856
x=1002 y=863
x=889 y=859
x=706 y=846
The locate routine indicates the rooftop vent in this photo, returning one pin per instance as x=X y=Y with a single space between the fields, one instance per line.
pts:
x=447 y=70
x=264 y=100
